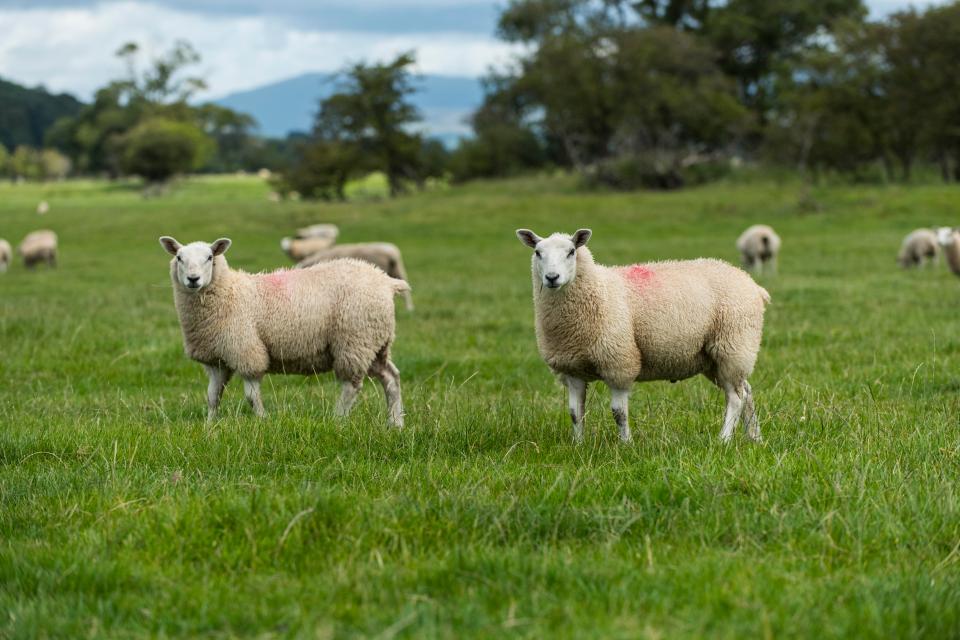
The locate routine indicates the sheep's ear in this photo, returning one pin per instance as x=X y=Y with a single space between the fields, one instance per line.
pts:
x=170 y=245
x=219 y=247
x=581 y=236
x=528 y=238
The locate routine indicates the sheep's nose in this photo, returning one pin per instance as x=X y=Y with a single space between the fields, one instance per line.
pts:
x=552 y=277
x=193 y=279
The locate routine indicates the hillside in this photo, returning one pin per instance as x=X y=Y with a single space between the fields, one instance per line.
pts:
x=124 y=515
x=289 y=105
x=26 y=114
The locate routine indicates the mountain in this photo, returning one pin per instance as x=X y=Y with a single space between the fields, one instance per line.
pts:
x=26 y=114
x=289 y=105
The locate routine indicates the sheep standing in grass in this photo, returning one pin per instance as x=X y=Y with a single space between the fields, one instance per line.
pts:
x=300 y=248
x=43 y=208
x=39 y=246
x=657 y=321
x=918 y=249
x=6 y=255
x=337 y=316
x=759 y=246
x=382 y=254
x=949 y=239
x=323 y=230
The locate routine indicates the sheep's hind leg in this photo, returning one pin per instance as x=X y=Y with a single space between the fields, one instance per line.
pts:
x=733 y=411
x=577 y=397
x=348 y=395
x=749 y=417
x=251 y=389
x=389 y=377
x=218 y=382
x=620 y=406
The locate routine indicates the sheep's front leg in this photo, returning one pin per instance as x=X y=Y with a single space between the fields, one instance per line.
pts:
x=577 y=397
x=348 y=395
x=620 y=406
x=218 y=382
x=251 y=389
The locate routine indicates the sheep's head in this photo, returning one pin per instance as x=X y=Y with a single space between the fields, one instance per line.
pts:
x=945 y=235
x=194 y=262
x=554 y=258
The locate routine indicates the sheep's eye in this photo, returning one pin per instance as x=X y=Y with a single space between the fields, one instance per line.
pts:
x=210 y=258
x=179 y=259
x=572 y=251
x=537 y=252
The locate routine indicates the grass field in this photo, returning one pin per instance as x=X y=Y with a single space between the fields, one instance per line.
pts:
x=122 y=514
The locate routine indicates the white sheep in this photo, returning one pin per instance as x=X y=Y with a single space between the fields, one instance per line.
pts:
x=657 y=321
x=39 y=246
x=382 y=254
x=949 y=239
x=6 y=255
x=43 y=207
x=759 y=245
x=300 y=248
x=323 y=230
x=919 y=248
x=337 y=316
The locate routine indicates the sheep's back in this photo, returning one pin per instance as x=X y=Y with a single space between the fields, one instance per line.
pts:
x=681 y=308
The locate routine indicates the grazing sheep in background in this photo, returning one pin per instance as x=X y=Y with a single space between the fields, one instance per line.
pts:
x=758 y=246
x=919 y=248
x=319 y=231
x=949 y=239
x=43 y=208
x=273 y=196
x=382 y=254
x=39 y=246
x=6 y=255
x=300 y=248
x=336 y=316
x=657 y=321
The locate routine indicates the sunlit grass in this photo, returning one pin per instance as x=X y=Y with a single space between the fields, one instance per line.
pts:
x=123 y=514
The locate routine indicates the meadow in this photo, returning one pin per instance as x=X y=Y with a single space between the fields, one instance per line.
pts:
x=123 y=514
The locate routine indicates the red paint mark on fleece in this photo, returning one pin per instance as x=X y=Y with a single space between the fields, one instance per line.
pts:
x=637 y=275
x=279 y=281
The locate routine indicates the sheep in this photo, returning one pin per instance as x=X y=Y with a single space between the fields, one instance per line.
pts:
x=949 y=239
x=43 y=207
x=382 y=254
x=918 y=249
x=39 y=246
x=319 y=231
x=300 y=248
x=6 y=255
x=337 y=316
x=759 y=245
x=657 y=321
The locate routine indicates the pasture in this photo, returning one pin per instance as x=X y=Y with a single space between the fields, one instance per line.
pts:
x=122 y=514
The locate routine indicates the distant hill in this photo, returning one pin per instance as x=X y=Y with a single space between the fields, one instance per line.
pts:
x=289 y=105
x=26 y=114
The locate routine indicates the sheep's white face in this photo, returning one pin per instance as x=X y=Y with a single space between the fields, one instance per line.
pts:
x=945 y=236
x=554 y=258
x=194 y=262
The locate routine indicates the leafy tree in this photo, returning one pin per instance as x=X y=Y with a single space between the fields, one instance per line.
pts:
x=27 y=114
x=158 y=148
x=364 y=126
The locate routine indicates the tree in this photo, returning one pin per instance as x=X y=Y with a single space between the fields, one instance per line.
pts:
x=157 y=149
x=364 y=126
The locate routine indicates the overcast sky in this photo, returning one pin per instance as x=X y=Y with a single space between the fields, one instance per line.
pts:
x=68 y=45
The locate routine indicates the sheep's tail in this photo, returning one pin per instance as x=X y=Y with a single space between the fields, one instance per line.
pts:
x=399 y=286
x=765 y=241
x=764 y=295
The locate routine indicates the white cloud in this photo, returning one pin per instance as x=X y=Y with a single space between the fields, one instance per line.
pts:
x=72 y=49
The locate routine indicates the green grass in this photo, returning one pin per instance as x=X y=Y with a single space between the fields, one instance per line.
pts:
x=122 y=514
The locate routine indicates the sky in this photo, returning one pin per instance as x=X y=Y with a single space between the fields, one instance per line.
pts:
x=68 y=45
